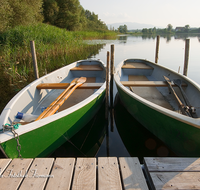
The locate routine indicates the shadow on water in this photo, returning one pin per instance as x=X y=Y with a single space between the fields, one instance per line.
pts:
x=87 y=141
x=137 y=139
x=129 y=138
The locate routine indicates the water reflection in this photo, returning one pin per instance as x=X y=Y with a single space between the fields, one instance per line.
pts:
x=138 y=140
x=87 y=141
x=123 y=39
x=169 y=37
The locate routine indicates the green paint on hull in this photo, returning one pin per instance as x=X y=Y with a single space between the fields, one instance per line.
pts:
x=138 y=140
x=180 y=137
x=44 y=140
x=87 y=141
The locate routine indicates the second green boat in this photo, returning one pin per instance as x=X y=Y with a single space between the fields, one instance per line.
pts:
x=163 y=101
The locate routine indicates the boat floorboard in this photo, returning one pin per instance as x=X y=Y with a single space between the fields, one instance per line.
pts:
x=149 y=93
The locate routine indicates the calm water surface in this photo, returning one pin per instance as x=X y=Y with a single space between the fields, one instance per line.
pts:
x=129 y=138
x=171 y=52
x=134 y=139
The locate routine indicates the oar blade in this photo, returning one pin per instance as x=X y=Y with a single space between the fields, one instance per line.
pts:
x=73 y=82
x=82 y=80
x=177 y=82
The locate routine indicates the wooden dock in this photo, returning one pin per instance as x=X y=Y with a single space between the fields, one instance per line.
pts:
x=173 y=173
x=70 y=173
x=103 y=173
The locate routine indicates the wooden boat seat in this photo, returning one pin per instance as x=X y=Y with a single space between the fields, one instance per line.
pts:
x=148 y=83
x=65 y=85
x=149 y=93
x=135 y=65
x=87 y=68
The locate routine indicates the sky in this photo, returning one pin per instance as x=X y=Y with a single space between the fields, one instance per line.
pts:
x=159 y=13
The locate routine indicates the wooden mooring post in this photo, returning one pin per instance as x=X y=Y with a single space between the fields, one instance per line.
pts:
x=111 y=88
x=187 y=47
x=107 y=103
x=157 y=48
x=32 y=43
x=107 y=85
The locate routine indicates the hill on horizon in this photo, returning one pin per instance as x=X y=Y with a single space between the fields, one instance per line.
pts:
x=131 y=25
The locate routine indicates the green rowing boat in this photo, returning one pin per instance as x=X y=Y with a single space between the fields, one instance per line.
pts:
x=44 y=115
x=163 y=101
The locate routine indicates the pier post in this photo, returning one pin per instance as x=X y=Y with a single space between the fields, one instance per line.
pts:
x=111 y=88
x=157 y=48
x=107 y=85
x=32 y=43
x=187 y=47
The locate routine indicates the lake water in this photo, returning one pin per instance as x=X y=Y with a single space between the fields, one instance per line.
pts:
x=129 y=138
x=134 y=139
x=171 y=52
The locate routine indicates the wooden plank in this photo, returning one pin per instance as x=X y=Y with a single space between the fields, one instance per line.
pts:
x=175 y=180
x=108 y=174
x=87 y=68
x=3 y=164
x=62 y=172
x=65 y=85
x=132 y=174
x=38 y=174
x=148 y=83
x=135 y=65
x=172 y=164
x=85 y=174
x=15 y=173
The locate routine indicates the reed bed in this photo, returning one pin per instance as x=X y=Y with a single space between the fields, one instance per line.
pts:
x=54 y=48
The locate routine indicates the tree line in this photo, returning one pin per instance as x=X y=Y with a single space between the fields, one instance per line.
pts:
x=169 y=30
x=67 y=14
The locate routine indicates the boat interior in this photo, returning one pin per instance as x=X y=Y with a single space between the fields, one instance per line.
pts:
x=148 y=82
x=49 y=89
x=94 y=80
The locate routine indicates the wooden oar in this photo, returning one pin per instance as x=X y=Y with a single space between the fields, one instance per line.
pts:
x=73 y=82
x=184 y=109
x=80 y=81
x=178 y=82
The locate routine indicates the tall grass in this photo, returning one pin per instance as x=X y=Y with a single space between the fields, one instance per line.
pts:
x=50 y=42
x=54 y=48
